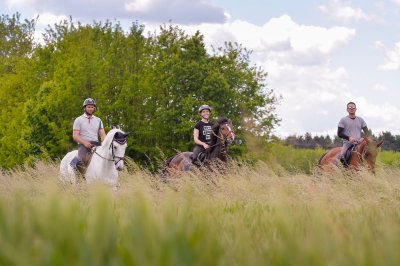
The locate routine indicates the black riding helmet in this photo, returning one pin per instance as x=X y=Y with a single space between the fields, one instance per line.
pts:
x=89 y=101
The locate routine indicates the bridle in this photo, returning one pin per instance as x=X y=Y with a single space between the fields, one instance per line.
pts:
x=115 y=159
x=223 y=138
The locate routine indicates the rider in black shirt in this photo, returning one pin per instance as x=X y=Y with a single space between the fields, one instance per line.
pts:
x=202 y=133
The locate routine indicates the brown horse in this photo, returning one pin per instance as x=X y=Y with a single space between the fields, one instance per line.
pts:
x=363 y=153
x=221 y=136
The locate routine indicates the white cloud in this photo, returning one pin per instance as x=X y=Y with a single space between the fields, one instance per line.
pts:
x=379 y=87
x=46 y=19
x=341 y=12
x=397 y=2
x=392 y=56
x=296 y=58
x=280 y=38
x=138 y=6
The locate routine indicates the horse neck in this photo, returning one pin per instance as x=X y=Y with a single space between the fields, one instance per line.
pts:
x=103 y=149
x=358 y=153
x=105 y=146
x=361 y=148
x=219 y=148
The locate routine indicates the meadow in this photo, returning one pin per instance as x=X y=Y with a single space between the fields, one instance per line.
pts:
x=271 y=212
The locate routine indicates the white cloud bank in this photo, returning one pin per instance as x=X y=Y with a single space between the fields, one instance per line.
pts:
x=341 y=12
x=392 y=56
x=297 y=59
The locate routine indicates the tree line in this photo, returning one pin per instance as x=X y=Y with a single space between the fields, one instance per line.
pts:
x=391 y=142
x=150 y=84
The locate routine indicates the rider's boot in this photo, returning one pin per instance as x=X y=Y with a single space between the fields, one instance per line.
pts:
x=78 y=165
x=196 y=163
x=342 y=159
x=74 y=162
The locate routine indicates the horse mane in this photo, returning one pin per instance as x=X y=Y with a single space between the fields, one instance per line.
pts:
x=110 y=137
x=370 y=143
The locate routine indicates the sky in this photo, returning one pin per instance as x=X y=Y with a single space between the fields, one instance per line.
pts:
x=319 y=55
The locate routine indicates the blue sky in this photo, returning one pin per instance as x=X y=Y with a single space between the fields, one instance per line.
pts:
x=319 y=54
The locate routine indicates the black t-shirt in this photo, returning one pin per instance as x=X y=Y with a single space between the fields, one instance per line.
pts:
x=205 y=131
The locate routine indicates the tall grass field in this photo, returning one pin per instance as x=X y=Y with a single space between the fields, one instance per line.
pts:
x=258 y=214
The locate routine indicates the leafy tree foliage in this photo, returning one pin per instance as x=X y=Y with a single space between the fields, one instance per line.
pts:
x=16 y=48
x=150 y=84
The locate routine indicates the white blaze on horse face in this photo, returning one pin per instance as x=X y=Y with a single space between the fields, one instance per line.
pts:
x=231 y=133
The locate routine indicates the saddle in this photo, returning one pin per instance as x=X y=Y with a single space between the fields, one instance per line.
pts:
x=81 y=165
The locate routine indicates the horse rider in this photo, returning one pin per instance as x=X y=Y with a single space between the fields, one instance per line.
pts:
x=349 y=129
x=86 y=131
x=202 y=133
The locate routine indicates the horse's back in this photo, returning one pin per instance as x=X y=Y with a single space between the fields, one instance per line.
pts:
x=67 y=173
x=330 y=158
x=181 y=161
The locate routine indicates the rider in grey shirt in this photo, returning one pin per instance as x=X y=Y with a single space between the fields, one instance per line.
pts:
x=349 y=129
x=86 y=131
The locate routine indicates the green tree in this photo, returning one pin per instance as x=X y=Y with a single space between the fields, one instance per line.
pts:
x=16 y=48
x=150 y=85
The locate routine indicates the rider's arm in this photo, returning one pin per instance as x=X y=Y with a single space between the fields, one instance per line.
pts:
x=366 y=132
x=196 y=139
x=341 y=134
x=77 y=137
x=102 y=134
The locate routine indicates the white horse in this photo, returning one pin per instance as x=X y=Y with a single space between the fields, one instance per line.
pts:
x=106 y=161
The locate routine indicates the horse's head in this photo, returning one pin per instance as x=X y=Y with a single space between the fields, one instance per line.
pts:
x=368 y=151
x=225 y=130
x=118 y=146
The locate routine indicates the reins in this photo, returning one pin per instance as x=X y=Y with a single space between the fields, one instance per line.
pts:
x=114 y=157
x=223 y=138
x=361 y=155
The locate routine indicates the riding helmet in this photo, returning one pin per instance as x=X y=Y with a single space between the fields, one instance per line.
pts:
x=204 y=107
x=89 y=101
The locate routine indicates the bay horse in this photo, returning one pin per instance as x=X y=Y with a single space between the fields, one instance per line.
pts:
x=105 y=163
x=222 y=135
x=363 y=153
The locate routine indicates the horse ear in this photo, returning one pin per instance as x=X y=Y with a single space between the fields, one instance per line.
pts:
x=379 y=144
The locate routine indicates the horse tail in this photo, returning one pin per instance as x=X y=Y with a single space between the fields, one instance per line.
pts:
x=164 y=168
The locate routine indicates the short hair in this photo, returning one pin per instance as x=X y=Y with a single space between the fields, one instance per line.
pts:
x=347 y=106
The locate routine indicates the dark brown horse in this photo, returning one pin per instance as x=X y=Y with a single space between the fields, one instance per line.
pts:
x=363 y=154
x=221 y=136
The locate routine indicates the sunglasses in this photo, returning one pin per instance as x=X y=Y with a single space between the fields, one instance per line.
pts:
x=350 y=107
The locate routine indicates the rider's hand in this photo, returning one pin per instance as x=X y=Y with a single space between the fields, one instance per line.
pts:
x=205 y=145
x=88 y=145
x=352 y=140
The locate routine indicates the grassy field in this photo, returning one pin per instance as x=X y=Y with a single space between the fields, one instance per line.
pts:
x=250 y=216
